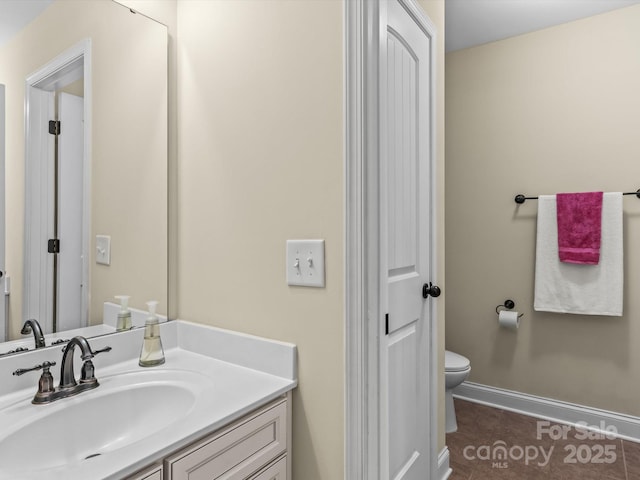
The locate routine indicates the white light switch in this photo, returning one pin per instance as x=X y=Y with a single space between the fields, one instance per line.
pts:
x=103 y=249
x=305 y=263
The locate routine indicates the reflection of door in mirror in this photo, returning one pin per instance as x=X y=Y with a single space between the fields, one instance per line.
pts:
x=56 y=214
x=71 y=303
x=3 y=316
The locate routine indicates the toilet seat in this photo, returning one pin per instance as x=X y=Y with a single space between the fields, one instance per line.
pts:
x=454 y=362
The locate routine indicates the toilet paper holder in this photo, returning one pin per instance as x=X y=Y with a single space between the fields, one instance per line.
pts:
x=507 y=305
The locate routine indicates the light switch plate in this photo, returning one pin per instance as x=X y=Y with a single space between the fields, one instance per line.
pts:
x=103 y=249
x=305 y=263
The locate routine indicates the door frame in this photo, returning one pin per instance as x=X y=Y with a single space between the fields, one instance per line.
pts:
x=363 y=37
x=58 y=72
x=4 y=321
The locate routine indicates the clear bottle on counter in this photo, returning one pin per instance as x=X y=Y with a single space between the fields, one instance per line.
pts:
x=124 y=315
x=152 y=352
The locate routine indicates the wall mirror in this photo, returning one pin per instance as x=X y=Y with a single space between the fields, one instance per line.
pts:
x=111 y=63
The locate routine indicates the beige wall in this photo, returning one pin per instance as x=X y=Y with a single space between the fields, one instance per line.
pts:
x=260 y=161
x=551 y=111
x=260 y=122
x=435 y=11
x=129 y=173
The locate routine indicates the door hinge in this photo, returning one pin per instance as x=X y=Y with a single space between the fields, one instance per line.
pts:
x=53 y=245
x=54 y=127
x=386 y=324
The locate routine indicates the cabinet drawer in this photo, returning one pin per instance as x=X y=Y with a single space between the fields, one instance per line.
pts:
x=151 y=473
x=275 y=471
x=237 y=451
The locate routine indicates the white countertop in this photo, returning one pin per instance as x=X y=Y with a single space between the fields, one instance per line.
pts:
x=239 y=373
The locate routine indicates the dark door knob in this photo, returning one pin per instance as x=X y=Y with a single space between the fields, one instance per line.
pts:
x=430 y=289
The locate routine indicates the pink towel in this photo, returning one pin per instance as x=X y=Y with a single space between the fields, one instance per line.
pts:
x=579 y=227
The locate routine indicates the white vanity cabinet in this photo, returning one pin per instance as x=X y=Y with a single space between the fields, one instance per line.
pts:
x=152 y=473
x=255 y=447
x=275 y=471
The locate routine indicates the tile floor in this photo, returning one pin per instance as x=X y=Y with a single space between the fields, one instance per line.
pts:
x=533 y=450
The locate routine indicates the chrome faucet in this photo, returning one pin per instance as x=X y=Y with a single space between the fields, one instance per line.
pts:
x=87 y=377
x=68 y=384
x=32 y=326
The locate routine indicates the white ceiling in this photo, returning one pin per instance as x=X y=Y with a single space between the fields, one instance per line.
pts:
x=15 y=14
x=474 y=22
x=467 y=22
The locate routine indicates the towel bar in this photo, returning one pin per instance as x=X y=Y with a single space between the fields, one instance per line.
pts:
x=520 y=198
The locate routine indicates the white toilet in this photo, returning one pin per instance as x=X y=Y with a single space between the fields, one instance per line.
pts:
x=456 y=370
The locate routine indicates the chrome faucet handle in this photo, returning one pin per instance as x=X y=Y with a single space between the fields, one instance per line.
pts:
x=44 y=365
x=102 y=350
x=87 y=374
x=17 y=350
x=46 y=388
x=91 y=353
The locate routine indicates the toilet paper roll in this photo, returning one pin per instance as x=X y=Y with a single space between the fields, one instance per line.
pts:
x=509 y=319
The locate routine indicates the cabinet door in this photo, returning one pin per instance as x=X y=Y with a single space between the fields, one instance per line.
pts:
x=275 y=471
x=151 y=473
x=236 y=452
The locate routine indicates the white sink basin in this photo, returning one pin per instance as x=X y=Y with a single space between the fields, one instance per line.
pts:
x=125 y=409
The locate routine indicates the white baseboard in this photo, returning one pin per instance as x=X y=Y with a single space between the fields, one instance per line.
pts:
x=627 y=426
x=443 y=464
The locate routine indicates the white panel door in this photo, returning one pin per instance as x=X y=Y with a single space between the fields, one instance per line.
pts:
x=39 y=209
x=70 y=211
x=3 y=319
x=405 y=164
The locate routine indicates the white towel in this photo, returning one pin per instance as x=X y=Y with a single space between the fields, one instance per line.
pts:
x=574 y=288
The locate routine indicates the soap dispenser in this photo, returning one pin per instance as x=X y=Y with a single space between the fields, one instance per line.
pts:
x=124 y=315
x=152 y=352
